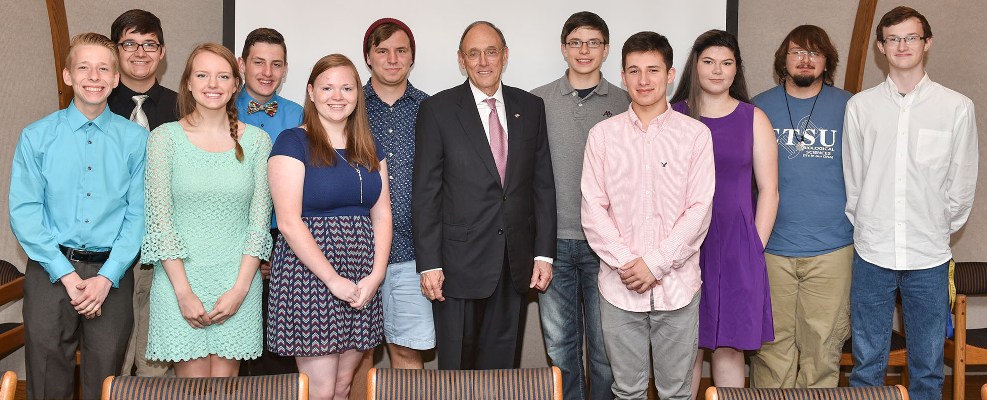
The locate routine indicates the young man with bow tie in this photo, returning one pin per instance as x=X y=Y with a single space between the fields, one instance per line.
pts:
x=264 y=63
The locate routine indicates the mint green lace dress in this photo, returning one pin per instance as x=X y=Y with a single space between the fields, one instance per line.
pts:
x=207 y=209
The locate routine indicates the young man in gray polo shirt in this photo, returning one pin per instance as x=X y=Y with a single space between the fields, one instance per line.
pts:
x=575 y=103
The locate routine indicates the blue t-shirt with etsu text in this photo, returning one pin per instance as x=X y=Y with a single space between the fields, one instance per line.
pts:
x=811 y=210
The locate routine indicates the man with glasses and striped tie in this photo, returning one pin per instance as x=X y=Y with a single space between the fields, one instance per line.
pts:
x=139 y=97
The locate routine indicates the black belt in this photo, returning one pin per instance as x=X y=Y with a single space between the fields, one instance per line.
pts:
x=84 y=255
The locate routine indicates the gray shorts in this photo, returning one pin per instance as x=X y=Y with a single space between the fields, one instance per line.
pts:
x=407 y=312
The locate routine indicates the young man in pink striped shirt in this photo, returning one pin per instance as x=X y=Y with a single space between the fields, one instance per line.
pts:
x=647 y=187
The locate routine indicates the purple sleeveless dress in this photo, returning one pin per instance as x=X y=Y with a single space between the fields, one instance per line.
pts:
x=735 y=307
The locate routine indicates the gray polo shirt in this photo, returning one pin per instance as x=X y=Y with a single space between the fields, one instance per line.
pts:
x=569 y=121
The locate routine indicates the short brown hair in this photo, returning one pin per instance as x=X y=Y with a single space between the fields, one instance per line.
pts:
x=263 y=35
x=811 y=38
x=93 y=39
x=140 y=21
x=898 y=15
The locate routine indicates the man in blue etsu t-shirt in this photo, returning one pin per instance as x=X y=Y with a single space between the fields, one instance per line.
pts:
x=264 y=62
x=810 y=250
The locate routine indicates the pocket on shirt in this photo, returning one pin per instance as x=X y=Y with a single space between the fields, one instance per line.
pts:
x=932 y=148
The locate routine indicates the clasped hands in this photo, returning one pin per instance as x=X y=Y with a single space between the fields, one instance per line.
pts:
x=358 y=294
x=637 y=277
x=87 y=295
x=195 y=313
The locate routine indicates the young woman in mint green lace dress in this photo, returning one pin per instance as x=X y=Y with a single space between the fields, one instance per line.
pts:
x=208 y=208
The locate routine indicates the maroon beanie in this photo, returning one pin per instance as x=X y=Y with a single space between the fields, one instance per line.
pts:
x=382 y=21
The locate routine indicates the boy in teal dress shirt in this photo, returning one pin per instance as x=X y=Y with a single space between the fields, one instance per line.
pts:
x=77 y=209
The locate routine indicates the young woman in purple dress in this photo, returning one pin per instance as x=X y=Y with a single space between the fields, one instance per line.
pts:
x=735 y=307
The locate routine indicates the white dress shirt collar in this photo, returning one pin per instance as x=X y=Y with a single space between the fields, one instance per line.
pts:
x=479 y=96
x=895 y=93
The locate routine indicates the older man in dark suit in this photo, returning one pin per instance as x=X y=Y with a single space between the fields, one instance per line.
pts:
x=483 y=206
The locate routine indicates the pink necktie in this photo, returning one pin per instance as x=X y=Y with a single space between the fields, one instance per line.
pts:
x=498 y=140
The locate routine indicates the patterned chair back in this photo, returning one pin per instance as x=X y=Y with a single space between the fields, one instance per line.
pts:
x=270 y=387
x=498 y=384
x=896 y=392
x=8 y=272
x=11 y=289
x=971 y=278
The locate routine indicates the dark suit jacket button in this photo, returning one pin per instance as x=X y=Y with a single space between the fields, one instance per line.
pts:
x=500 y=231
x=505 y=198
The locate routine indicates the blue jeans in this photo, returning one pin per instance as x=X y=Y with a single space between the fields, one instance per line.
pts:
x=573 y=293
x=925 y=306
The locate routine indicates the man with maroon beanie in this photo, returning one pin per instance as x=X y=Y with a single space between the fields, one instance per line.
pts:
x=392 y=105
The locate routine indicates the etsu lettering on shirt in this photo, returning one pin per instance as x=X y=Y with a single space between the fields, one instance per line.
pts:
x=826 y=137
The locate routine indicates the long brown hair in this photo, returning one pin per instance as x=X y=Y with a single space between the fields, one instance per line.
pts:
x=186 y=103
x=360 y=147
x=689 y=88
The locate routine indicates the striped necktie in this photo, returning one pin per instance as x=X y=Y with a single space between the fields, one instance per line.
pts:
x=138 y=115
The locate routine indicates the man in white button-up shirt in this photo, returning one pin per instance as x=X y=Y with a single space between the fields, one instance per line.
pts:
x=910 y=166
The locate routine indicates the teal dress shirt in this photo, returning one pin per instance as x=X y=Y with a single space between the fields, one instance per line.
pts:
x=79 y=183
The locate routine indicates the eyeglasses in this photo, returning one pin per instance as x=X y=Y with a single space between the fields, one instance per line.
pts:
x=909 y=40
x=489 y=53
x=592 y=43
x=801 y=54
x=131 y=46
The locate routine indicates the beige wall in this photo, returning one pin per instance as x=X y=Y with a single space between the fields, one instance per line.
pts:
x=955 y=60
x=184 y=23
x=26 y=69
x=25 y=66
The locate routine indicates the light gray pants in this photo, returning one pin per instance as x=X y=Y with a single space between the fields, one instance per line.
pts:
x=673 y=338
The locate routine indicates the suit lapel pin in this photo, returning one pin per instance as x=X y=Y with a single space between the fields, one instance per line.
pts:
x=517 y=115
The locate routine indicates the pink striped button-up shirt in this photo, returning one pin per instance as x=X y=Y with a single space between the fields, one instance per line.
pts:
x=647 y=192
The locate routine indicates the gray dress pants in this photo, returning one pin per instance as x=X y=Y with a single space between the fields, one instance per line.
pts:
x=54 y=330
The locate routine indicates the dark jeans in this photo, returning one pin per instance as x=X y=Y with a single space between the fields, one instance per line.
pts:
x=925 y=306
x=569 y=307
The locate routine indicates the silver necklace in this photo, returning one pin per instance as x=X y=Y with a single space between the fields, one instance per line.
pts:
x=359 y=174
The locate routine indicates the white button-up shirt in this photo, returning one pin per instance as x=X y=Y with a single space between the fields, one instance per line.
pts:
x=484 y=109
x=910 y=166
